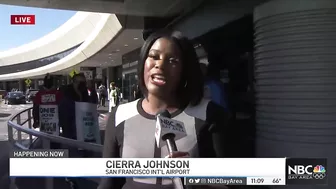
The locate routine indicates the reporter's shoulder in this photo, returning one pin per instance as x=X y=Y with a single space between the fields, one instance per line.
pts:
x=125 y=111
x=205 y=109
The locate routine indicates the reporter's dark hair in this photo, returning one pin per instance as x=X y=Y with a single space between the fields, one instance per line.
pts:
x=190 y=89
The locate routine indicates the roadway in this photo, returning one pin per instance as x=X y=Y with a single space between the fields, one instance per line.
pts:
x=6 y=112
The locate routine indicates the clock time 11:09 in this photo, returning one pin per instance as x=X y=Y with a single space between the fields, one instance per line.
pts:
x=257 y=180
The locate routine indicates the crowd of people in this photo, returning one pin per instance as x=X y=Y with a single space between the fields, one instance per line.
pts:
x=61 y=111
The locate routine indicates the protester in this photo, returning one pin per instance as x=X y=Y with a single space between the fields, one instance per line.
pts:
x=48 y=98
x=75 y=94
x=169 y=79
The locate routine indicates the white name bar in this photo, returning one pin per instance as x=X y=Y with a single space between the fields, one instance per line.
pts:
x=154 y=167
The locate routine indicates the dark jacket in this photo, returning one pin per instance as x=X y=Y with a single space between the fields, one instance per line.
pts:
x=67 y=114
x=93 y=98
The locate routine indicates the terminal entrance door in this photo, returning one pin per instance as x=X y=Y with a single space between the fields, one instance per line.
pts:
x=130 y=82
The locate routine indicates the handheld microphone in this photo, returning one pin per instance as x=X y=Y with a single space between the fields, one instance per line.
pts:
x=167 y=131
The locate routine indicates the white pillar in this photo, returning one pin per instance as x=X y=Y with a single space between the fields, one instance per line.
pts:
x=36 y=84
x=108 y=80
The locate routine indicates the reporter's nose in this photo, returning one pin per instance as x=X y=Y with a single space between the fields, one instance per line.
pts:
x=160 y=64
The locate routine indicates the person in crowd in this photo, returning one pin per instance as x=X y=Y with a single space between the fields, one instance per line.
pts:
x=169 y=80
x=27 y=91
x=77 y=91
x=102 y=95
x=137 y=93
x=45 y=96
x=214 y=89
x=93 y=95
x=119 y=95
x=113 y=96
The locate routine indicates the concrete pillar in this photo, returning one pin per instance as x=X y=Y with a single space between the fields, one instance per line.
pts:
x=21 y=85
x=108 y=79
x=68 y=79
x=295 y=82
x=109 y=75
x=4 y=85
x=36 y=85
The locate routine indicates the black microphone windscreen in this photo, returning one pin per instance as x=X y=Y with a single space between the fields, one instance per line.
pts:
x=164 y=113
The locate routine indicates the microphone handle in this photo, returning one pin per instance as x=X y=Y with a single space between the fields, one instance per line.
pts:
x=171 y=145
x=170 y=140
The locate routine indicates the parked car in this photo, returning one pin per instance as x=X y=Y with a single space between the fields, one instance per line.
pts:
x=31 y=95
x=15 y=98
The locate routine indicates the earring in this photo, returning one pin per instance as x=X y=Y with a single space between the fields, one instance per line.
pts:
x=186 y=83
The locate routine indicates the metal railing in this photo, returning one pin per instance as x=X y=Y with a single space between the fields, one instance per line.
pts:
x=21 y=135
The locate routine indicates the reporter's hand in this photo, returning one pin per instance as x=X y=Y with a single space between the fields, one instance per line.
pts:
x=178 y=155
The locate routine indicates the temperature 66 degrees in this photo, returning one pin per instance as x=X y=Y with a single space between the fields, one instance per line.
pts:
x=257 y=180
x=276 y=181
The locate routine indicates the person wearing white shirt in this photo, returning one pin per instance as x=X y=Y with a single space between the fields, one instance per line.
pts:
x=112 y=97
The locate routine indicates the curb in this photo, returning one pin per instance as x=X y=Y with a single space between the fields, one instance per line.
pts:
x=2 y=114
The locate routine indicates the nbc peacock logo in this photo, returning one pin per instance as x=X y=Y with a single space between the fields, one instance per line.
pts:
x=319 y=172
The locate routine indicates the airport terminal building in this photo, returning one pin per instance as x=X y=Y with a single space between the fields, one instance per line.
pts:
x=276 y=57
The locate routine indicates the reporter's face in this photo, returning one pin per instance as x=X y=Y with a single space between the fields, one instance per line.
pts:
x=163 y=67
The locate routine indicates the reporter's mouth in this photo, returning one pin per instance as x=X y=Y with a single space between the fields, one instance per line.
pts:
x=158 y=79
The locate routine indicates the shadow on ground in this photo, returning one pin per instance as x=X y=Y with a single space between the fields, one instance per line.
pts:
x=3 y=115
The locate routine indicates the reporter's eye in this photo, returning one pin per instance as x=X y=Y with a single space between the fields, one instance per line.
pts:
x=153 y=56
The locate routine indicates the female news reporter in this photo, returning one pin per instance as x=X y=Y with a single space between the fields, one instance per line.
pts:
x=170 y=79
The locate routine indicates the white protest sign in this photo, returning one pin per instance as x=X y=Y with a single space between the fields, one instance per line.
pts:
x=49 y=122
x=87 y=125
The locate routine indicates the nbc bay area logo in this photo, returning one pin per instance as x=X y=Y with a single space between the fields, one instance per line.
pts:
x=306 y=171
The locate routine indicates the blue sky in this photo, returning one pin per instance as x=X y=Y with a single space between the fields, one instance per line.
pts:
x=46 y=20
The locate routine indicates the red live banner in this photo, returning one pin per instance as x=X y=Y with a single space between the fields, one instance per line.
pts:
x=22 y=19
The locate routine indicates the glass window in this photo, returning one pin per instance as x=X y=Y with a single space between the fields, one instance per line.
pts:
x=130 y=81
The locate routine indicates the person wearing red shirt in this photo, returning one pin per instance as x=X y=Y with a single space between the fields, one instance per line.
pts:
x=45 y=107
